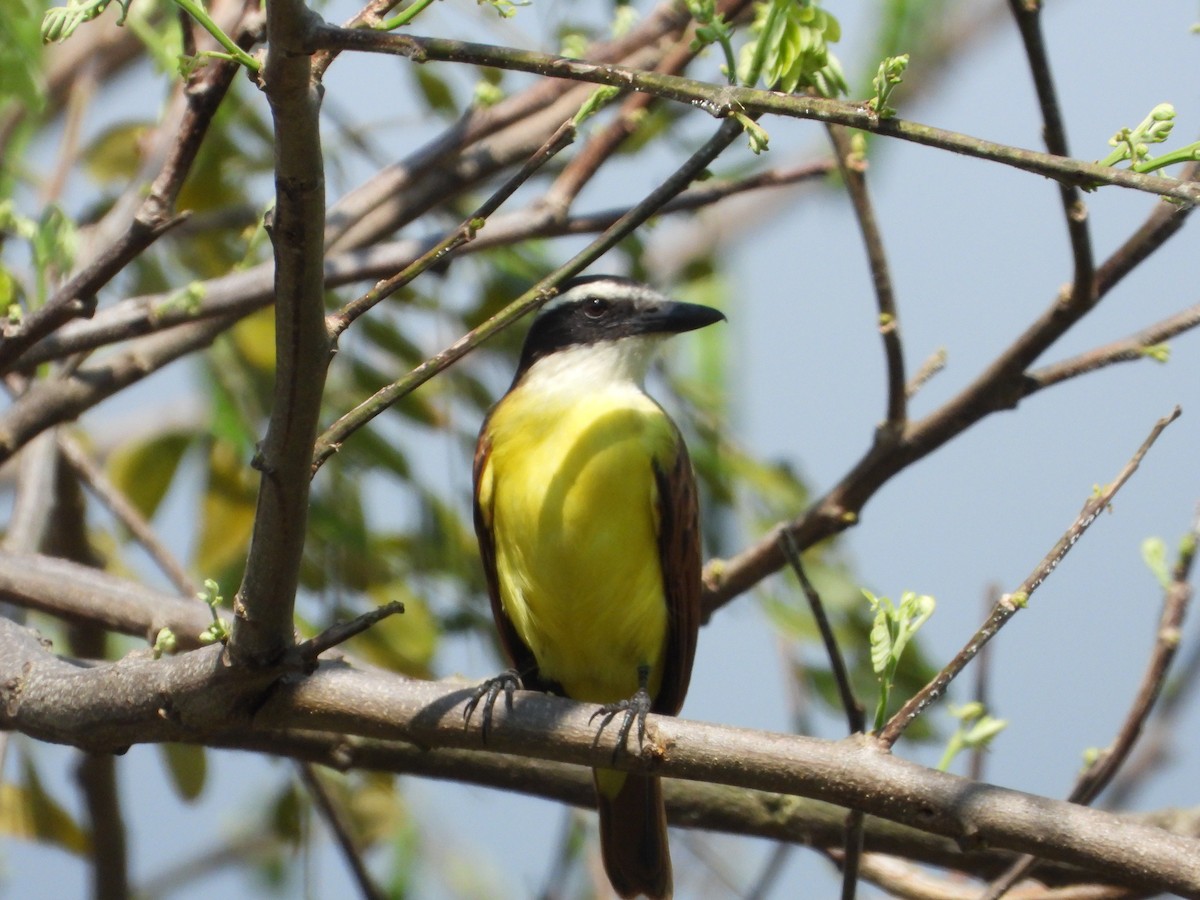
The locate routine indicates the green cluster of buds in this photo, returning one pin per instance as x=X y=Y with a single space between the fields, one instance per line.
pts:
x=791 y=49
x=1133 y=143
x=894 y=626
x=975 y=731
x=60 y=23
x=218 y=630
x=890 y=74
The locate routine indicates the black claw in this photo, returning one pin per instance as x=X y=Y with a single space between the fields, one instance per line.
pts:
x=635 y=710
x=507 y=681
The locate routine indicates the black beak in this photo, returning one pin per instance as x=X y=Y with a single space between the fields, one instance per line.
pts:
x=673 y=317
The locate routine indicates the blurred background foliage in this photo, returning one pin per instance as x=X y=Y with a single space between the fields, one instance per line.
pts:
x=390 y=514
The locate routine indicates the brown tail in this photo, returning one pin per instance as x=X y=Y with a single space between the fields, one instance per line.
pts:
x=633 y=837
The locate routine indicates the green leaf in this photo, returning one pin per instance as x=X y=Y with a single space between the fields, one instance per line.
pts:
x=143 y=470
x=401 y=643
x=188 y=767
x=435 y=90
x=1154 y=555
x=28 y=812
x=115 y=154
x=227 y=511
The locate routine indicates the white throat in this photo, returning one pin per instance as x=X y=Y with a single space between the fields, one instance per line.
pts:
x=586 y=368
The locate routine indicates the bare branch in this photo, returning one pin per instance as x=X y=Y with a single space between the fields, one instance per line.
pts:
x=854 y=177
x=80 y=593
x=196 y=696
x=333 y=436
x=999 y=386
x=57 y=400
x=1133 y=348
x=724 y=101
x=1008 y=604
x=1097 y=776
x=1028 y=17
x=263 y=608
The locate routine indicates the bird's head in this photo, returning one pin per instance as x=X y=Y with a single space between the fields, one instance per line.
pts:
x=608 y=322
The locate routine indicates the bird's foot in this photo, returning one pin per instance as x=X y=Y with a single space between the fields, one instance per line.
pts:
x=633 y=711
x=507 y=681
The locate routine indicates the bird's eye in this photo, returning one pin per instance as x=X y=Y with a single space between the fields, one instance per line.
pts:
x=595 y=308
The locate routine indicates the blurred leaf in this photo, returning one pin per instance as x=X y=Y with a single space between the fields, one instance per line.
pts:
x=227 y=512
x=21 y=57
x=287 y=812
x=143 y=470
x=254 y=338
x=115 y=155
x=435 y=90
x=384 y=333
x=188 y=767
x=338 y=555
x=376 y=451
x=405 y=643
x=1154 y=555
x=29 y=813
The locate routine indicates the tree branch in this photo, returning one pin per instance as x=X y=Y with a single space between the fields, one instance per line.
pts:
x=724 y=101
x=1008 y=604
x=195 y=697
x=336 y=433
x=1028 y=18
x=264 y=604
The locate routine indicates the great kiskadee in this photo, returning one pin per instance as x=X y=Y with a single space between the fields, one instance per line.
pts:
x=585 y=508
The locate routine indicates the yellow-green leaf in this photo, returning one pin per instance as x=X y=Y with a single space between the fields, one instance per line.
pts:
x=403 y=643
x=115 y=155
x=227 y=509
x=143 y=470
x=188 y=766
x=27 y=811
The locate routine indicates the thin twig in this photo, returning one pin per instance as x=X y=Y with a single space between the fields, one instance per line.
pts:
x=1008 y=605
x=466 y=231
x=933 y=364
x=1131 y=349
x=126 y=513
x=1028 y=18
x=1101 y=771
x=854 y=177
x=332 y=438
x=724 y=101
x=771 y=871
x=337 y=823
x=340 y=632
x=855 y=717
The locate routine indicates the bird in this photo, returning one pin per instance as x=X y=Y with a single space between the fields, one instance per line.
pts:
x=588 y=525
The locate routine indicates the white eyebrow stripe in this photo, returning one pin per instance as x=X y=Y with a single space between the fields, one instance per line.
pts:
x=605 y=289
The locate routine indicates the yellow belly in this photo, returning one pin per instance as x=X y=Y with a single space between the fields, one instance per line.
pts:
x=573 y=505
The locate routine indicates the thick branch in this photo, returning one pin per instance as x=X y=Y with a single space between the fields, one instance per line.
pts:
x=53 y=401
x=82 y=594
x=195 y=697
x=263 y=608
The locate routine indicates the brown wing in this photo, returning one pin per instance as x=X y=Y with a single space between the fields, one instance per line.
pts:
x=679 y=553
x=517 y=650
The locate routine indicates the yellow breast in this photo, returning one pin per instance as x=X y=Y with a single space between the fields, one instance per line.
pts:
x=571 y=490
